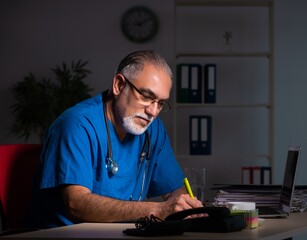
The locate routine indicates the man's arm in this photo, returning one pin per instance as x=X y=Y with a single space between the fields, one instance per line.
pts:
x=85 y=206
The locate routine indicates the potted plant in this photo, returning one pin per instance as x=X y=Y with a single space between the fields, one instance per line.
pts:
x=40 y=102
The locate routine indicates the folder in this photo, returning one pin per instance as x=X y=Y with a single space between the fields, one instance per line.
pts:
x=210 y=83
x=247 y=175
x=266 y=175
x=194 y=136
x=256 y=175
x=189 y=83
x=200 y=135
x=182 y=83
x=195 y=83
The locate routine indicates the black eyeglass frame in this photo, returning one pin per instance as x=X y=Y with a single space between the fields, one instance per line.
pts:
x=163 y=105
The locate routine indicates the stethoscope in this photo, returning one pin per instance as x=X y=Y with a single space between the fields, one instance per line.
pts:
x=111 y=164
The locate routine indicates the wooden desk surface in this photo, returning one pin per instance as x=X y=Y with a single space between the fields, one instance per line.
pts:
x=270 y=229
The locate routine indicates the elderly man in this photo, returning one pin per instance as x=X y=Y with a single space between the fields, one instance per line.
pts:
x=103 y=156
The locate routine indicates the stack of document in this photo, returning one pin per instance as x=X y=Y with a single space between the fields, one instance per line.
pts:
x=262 y=195
x=299 y=202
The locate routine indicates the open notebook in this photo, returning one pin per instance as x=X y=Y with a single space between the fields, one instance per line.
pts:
x=287 y=190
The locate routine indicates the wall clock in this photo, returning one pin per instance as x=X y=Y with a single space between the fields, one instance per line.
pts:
x=139 y=24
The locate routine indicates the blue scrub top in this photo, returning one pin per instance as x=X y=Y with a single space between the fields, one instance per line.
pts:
x=75 y=152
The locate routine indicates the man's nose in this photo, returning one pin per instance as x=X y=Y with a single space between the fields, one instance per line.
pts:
x=153 y=109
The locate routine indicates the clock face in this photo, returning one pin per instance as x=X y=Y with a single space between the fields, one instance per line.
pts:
x=139 y=24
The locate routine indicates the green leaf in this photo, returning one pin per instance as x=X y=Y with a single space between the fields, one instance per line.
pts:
x=39 y=102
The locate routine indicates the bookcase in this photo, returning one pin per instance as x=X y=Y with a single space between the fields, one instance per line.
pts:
x=236 y=36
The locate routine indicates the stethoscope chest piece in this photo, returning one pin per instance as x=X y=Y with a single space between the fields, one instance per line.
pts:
x=111 y=166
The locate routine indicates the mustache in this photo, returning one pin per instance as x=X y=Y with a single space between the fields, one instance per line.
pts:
x=144 y=116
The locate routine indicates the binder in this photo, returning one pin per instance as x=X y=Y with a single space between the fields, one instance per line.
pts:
x=189 y=83
x=195 y=83
x=200 y=135
x=246 y=175
x=256 y=175
x=182 y=83
x=266 y=175
x=210 y=83
x=194 y=136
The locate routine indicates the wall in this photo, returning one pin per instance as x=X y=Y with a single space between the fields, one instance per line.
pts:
x=290 y=84
x=38 y=35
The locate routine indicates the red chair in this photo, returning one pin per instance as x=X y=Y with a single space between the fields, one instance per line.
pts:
x=17 y=167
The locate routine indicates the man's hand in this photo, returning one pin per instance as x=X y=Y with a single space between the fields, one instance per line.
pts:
x=174 y=202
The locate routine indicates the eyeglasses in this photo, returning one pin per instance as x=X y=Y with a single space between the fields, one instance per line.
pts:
x=163 y=105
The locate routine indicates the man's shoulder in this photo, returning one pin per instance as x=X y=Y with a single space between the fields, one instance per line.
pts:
x=81 y=113
x=90 y=102
x=84 y=107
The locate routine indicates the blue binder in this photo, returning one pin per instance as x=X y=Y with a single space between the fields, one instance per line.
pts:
x=182 y=75
x=266 y=175
x=210 y=83
x=200 y=135
x=195 y=83
x=189 y=83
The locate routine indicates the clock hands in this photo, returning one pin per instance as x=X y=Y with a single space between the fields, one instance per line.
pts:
x=139 y=24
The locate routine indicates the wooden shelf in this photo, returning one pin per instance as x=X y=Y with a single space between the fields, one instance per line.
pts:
x=223 y=54
x=223 y=3
x=221 y=156
x=214 y=105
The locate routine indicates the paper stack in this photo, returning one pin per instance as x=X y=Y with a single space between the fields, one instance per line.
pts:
x=262 y=195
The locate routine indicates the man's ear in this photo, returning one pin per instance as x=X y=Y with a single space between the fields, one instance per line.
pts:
x=118 y=84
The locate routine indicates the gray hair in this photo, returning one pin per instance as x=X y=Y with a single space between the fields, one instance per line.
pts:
x=134 y=63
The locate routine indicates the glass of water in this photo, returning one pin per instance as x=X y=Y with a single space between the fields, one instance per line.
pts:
x=196 y=178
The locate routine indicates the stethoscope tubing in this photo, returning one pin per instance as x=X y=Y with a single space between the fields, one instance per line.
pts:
x=111 y=164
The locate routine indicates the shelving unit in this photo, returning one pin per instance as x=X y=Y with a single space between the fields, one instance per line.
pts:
x=242 y=117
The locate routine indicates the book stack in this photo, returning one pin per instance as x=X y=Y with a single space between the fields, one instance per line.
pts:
x=299 y=203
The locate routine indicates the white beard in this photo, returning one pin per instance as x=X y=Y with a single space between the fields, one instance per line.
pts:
x=132 y=128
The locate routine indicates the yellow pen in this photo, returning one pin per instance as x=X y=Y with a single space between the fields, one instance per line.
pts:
x=188 y=187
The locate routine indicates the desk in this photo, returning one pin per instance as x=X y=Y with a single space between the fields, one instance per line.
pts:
x=270 y=229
